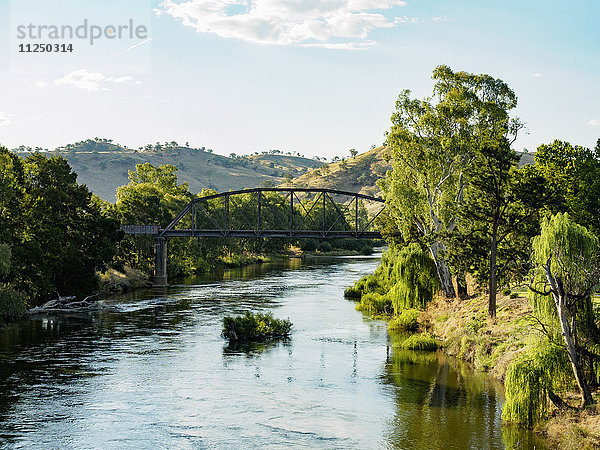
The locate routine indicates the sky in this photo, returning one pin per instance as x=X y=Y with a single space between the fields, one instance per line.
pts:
x=313 y=77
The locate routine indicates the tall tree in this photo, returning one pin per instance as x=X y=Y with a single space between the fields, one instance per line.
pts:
x=432 y=142
x=495 y=220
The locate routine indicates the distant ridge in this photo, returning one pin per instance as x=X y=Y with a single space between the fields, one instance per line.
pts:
x=104 y=166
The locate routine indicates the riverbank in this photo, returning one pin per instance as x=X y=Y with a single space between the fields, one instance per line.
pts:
x=465 y=331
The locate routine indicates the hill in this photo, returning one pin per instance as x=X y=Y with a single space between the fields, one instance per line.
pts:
x=360 y=173
x=104 y=166
x=357 y=174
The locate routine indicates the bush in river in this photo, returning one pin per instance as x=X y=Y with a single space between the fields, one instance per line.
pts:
x=253 y=327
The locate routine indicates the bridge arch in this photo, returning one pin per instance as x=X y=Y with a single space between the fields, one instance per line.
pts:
x=268 y=213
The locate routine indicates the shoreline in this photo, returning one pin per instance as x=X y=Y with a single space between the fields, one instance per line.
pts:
x=489 y=345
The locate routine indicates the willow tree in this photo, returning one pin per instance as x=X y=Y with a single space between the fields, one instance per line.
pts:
x=414 y=278
x=432 y=141
x=567 y=272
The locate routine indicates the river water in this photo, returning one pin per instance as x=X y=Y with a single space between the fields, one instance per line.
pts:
x=150 y=370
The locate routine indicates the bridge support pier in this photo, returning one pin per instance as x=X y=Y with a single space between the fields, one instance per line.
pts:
x=160 y=263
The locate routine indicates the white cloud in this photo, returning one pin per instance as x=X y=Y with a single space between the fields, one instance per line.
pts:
x=537 y=75
x=4 y=119
x=288 y=22
x=82 y=79
x=122 y=80
x=41 y=84
x=594 y=123
x=90 y=81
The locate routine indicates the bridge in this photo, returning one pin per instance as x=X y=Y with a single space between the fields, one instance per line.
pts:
x=267 y=213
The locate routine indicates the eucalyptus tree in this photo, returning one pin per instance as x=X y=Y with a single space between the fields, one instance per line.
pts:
x=432 y=142
x=57 y=234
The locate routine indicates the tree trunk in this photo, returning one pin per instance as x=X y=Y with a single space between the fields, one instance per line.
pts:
x=442 y=270
x=493 y=282
x=461 y=285
x=568 y=333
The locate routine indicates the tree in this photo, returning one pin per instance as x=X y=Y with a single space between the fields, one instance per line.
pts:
x=65 y=237
x=58 y=235
x=567 y=272
x=495 y=220
x=572 y=181
x=152 y=197
x=432 y=142
x=353 y=152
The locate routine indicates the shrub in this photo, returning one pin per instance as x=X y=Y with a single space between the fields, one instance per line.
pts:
x=406 y=321
x=375 y=303
x=325 y=247
x=352 y=292
x=253 y=327
x=367 y=284
x=423 y=341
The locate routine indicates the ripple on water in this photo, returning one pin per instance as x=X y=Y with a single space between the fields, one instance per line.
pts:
x=152 y=371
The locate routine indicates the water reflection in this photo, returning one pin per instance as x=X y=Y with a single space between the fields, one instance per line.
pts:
x=254 y=349
x=442 y=403
x=151 y=370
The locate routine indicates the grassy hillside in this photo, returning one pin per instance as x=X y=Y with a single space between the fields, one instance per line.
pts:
x=104 y=166
x=358 y=174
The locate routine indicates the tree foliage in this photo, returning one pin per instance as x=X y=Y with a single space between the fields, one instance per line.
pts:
x=57 y=233
x=496 y=221
x=571 y=176
x=531 y=378
x=405 y=279
x=432 y=143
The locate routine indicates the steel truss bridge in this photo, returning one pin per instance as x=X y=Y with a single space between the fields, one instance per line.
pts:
x=267 y=213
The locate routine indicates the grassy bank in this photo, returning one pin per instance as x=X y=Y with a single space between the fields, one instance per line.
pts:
x=464 y=330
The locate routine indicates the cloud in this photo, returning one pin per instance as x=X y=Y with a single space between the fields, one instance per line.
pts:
x=537 y=75
x=41 y=84
x=334 y=24
x=82 y=79
x=122 y=80
x=594 y=123
x=91 y=81
x=4 y=120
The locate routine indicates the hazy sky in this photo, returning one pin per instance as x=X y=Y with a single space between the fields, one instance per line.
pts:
x=316 y=77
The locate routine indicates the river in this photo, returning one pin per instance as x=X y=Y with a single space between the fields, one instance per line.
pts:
x=150 y=370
